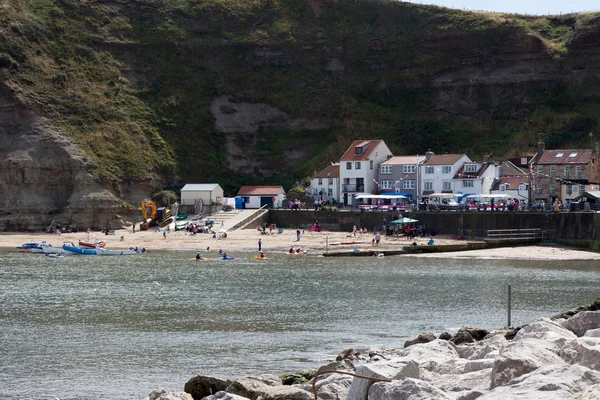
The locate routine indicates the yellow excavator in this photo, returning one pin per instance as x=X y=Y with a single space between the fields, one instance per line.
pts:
x=146 y=224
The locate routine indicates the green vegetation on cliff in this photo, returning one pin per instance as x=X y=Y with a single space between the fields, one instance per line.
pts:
x=134 y=83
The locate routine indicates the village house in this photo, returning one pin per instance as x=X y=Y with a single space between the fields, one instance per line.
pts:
x=438 y=173
x=259 y=196
x=400 y=174
x=326 y=183
x=563 y=175
x=358 y=168
x=208 y=193
x=476 y=178
x=513 y=180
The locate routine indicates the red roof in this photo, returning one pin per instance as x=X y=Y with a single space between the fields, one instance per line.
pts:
x=367 y=148
x=554 y=157
x=260 y=190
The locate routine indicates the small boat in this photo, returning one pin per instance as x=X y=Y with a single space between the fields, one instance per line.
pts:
x=260 y=258
x=55 y=255
x=30 y=247
x=93 y=245
x=49 y=249
x=199 y=259
x=79 y=251
x=104 y=252
x=227 y=258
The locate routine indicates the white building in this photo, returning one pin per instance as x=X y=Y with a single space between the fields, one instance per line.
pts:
x=326 y=183
x=358 y=168
x=438 y=172
x=209 y=193
x=258 y=196
x=476 y=178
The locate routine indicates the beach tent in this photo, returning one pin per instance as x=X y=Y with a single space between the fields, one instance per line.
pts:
x=404 y=220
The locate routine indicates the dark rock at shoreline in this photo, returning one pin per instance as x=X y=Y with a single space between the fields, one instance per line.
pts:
x=445 y=336
x=202 y=386
x=424 y=337
x=462 y=337
x=348 y=354
x=476 y=332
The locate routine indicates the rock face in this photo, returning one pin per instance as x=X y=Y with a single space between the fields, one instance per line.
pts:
x=44 y=178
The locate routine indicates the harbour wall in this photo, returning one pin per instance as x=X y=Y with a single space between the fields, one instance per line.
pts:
x=580 y=229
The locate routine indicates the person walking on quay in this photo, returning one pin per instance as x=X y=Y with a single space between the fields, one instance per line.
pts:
x=259 y=244
x=297 y=235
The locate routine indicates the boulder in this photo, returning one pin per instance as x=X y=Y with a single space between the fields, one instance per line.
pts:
x=582 y=351
x=201 y=386
x=406 y=389
x=348 y=354
x=545 y=329
x=164 y=394
x=424 y=337
x=488 y=348
x=582 y=322
x=547 y=382
x=462 y=337
x=519 y=358
x=476 y=332
x=476 y=380
x=470 y=395
x=591 y=393
x=224 y=396
x=287 y=393
x=592 y=333
x=437 y=351
x=360 y=386
x=331 y=387
x=478 y=365
x=253 y=386
x=445 y=336
x=410 y=370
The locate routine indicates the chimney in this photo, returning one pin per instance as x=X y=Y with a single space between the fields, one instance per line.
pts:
x=488 y=159
x=541 y=147
x=428 y=154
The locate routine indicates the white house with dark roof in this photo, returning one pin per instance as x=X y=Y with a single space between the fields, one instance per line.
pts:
x=358 y=168
x=438 y=171
x=476 y=178
x=209 y=193
x=513 y=180
x=258 y=196
x=326 y=183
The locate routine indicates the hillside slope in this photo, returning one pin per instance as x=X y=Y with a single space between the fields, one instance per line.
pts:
x=104 y=102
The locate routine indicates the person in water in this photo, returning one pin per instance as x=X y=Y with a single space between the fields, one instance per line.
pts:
x=208 y=248
x=225 y=256
x=291 y=250
x=262 y=255
x=198 y=256
x=220 y=251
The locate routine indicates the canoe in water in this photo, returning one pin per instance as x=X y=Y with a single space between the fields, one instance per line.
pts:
x=199 y=259
x=260 y=258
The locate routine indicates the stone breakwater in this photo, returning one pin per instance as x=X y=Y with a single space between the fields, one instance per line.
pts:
x=556 y=358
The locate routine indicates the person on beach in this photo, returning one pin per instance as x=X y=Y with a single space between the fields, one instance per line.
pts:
x=259 y=244
x=377 y=239
x=133 y=228
x=297 y=235
x=164 y=234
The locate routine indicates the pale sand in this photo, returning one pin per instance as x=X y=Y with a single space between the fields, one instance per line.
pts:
x=247 y=241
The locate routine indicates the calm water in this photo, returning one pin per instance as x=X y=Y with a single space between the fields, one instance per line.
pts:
x=115 y=328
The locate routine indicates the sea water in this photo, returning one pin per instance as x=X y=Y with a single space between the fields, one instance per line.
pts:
x=85 y=327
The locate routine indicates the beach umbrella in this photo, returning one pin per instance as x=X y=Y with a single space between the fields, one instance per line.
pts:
x=404 y=220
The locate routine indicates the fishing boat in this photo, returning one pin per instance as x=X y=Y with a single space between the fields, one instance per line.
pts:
x=49 y=249
x=93 y=245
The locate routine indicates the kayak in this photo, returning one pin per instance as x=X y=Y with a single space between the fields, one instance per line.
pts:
x=199 y=259
x=227 y=258
x=260 y=258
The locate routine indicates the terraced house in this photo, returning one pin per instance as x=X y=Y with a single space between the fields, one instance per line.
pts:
x=563 y=174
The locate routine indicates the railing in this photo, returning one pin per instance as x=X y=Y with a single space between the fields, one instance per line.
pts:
x=354 y=188
x=504 y=234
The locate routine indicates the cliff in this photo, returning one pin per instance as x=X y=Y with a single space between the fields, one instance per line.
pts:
x=104 y=102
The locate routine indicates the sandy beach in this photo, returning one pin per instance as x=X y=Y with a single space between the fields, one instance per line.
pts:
x=314 y=242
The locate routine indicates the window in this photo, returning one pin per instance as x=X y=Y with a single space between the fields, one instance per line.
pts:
x=408 y=184
x=371 y=164
x=559 y=155
x=503 y=187
x=540 y=169
x=552 y=189
x=358 y=150
x=446 y=169
x=447 y=185
x=572 y=155
x=387 y=184
x=467 y=183
x=553 y=170
x=428 y=185
x=522 y=186
x=429 y=170
x=471 y=168
x=566 y=171
x=408 y=169
x=357 y=165
x=348 y=165
x=523 y=160
x=329 y=192
x=386 y=169
x=578 y=171
x=538 y=188
x=320 y=181
x=581 y=189
x=569 y=190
